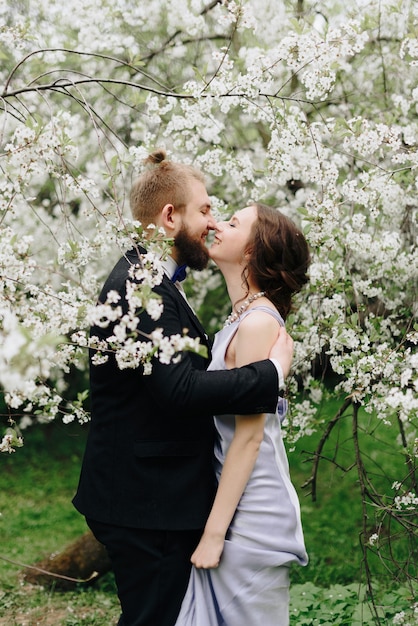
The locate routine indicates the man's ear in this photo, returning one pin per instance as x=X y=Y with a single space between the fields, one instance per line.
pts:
x=168 y=219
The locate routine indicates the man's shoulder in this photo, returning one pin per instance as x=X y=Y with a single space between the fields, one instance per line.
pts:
x=131 y=256
x=128 y=259
x=121 y=273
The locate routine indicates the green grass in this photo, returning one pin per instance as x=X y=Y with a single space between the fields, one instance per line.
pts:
x=37 y=519
x=346 y=605
x=332 y=589
x=37 y=483
x=333 y=522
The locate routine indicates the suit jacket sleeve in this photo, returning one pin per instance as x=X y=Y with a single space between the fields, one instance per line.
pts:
x=187 y=386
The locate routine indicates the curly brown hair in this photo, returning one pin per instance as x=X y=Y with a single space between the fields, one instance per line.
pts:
x=278 y=257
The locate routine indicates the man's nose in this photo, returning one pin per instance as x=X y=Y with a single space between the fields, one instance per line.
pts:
x=211 y=222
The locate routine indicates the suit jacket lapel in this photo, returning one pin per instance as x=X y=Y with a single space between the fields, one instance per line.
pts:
x=186 y=306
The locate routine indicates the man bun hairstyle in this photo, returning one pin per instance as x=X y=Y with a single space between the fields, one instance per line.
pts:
x=162 y=182
x=155 y=158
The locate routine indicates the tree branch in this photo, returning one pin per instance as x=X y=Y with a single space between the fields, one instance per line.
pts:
x=312 y=480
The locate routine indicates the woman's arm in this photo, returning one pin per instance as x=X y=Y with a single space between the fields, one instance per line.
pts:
x=254 y=338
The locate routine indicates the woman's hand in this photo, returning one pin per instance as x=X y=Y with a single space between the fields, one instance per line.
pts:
x=208 y=552
x=282 y=350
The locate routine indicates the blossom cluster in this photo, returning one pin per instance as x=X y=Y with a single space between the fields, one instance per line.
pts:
x=129 y=345
x=303 y=111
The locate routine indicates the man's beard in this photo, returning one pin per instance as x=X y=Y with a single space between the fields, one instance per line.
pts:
x=190 y=250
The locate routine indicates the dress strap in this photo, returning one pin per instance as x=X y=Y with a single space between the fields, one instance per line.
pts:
x=266 y=309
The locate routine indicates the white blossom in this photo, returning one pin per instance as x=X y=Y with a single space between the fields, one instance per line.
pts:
x=292 y=113
x=407 y=501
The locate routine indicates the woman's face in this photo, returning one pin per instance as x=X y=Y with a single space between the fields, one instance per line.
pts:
x=231 y=237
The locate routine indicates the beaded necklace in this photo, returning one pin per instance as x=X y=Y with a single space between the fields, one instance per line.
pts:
x=244 y=306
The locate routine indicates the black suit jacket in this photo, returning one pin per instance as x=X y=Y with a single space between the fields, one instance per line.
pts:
x=148 y=458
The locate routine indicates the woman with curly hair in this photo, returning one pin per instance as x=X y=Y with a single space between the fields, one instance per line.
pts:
x=241 y=565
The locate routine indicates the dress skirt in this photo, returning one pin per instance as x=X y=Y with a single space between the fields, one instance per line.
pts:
x=236 y=594
x=251 y=585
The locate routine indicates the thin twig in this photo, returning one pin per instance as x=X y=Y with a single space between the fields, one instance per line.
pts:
x=317 y=454
x=363 y=537
x=44 y=571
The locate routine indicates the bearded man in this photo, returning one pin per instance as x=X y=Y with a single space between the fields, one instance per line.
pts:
x=147 y=481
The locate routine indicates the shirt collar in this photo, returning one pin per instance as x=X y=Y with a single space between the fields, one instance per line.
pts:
x=169 y=266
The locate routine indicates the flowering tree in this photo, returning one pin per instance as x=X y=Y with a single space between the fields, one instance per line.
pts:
x=310 y=107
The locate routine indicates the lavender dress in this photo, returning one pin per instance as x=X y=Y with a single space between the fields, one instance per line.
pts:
x=250 y=586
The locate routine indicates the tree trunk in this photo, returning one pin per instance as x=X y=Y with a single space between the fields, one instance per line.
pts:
x=81 y=562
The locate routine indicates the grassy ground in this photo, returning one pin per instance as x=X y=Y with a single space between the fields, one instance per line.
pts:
x=37 y=519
